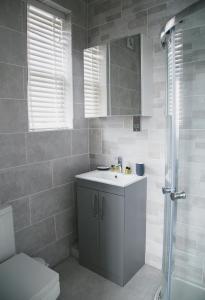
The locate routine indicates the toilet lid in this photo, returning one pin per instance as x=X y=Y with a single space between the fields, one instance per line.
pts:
x=23 y=278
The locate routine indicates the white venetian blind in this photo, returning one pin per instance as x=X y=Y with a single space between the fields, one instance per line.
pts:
x=95 y=85
x=46 y=42
x=175 y=75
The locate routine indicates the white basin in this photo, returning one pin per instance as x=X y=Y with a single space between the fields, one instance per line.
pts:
x=111 y=178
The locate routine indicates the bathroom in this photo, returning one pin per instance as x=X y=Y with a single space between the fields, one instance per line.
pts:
x=45 y=142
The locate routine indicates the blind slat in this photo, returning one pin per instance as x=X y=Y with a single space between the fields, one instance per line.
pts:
x=50 y=31
x=43 y=14
x=51 y=38
x=51 y=62
x=45 y=26
x=39 y=53
x=42 y=20
x=36 y=36
x=35 y=44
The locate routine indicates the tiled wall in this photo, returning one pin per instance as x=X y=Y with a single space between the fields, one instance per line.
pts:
x=37 y=169
x=114 y=136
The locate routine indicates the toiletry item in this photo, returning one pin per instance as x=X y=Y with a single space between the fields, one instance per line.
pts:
x=118 y=168
x=113 y=168
x=128 y=170
x=140 y=169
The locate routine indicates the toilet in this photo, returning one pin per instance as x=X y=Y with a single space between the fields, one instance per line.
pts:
x=22 y=277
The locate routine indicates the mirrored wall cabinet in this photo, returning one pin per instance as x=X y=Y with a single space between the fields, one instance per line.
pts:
x=118 y=78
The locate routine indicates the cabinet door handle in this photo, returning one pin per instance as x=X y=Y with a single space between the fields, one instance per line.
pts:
x=101 y=207
x=95 y=206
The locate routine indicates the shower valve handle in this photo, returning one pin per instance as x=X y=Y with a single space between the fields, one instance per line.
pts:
x=177 y=196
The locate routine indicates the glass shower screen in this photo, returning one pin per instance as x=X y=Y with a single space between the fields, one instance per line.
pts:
x=184 y=240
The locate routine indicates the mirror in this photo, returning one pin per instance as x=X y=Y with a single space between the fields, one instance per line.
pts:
x=125 y=78
x=118 y=78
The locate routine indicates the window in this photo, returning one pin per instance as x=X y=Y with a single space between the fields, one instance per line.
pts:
x=49 y=68
x=95 y=81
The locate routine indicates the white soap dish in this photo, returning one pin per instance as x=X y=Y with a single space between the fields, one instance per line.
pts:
x=103 y=168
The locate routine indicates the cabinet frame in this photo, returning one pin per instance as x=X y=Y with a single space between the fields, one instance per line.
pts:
x=146 y=87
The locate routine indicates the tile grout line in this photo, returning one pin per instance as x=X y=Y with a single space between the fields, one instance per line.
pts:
x=29 y=205
x=41 y=162
x=55 y=227
x=70 y=208
x=52 y=243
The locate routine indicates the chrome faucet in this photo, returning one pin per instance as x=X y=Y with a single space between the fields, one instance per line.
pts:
x=119 y=161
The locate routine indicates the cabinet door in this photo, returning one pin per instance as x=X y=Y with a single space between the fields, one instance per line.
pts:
x=88 y=226
x=111 y=215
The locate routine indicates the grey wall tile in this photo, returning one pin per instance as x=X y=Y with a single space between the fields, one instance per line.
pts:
x=11 y=82
x=78 y=89
x=77 y=63
x=79 y=120
x=21 y=213
x=33 y=238
x=56 y=252
x=24 y=180
x=78 y=9
x=65 y=169
x=188 y=266
x=11 y=14
x=13 y=150
x=79 y=141
x=103 y=33
x=157 y=17
x=93 y=36
x=175 y=6
x=118 y=28
x=114 y=122
x=50 y=202
x=79 y=38
x=95 y=141
x=100 y=159
x=13 y=116
x=48 y=145
x=13 y=47
x=131 y=7
x=64 y=223
x=101 y=12
x=137 y=23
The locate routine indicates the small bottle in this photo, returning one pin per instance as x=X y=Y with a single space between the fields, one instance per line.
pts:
x=113 y=168
x=128 y=170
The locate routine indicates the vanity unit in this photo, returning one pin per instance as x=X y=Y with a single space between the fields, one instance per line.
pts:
x=112 y=223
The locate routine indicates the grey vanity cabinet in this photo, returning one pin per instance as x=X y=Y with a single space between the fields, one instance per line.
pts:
x=88 y=226
x=111 y=222
x=112 y=228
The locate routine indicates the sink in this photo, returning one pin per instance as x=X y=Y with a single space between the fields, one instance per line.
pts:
x=112 y=178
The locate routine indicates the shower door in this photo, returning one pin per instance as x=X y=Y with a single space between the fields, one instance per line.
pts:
x=184 y=238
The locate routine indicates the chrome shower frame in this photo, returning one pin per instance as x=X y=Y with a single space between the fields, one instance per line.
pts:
x=167 y=33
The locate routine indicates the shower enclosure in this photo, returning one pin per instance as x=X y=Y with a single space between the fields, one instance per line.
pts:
x=183 y=37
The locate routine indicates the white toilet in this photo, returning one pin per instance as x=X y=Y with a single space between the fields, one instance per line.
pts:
x=22 y=277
